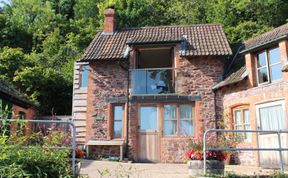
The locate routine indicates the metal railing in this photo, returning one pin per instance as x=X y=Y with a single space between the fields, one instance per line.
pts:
x=55 y=148
x=278 y=132
x=152 y=81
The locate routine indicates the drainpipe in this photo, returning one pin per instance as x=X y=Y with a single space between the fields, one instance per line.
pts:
x=127 y=109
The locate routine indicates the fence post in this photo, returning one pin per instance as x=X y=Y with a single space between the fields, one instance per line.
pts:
x=280 y=151
x=204 y=151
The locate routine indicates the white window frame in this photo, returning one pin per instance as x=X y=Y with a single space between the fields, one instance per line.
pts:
x=268 y=66
x=270 y=104
x=243 y=123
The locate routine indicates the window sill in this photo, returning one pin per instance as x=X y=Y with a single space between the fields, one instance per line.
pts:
x=269 y=83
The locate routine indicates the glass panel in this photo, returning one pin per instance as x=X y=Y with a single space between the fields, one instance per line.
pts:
x=185 y=112
x=186 y=127
x=139 y=79
x=248 y=136
x=152 y=81
x=262 y=75
x=247 y=124
x=148 y=118
x=118 y=117
x=84 y=76
x=117 y=129
x=170 y=127
x=170 y=112
x=159 y=81
x=275 y=71
x=274 y=56
x=261 y=60
x=272 y=118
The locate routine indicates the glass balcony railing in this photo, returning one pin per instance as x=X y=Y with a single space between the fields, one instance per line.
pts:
x=152 y=81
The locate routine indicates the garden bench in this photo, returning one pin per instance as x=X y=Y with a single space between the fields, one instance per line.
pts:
x=119 y=143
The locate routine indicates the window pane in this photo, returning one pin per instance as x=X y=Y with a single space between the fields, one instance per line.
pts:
x=84 y=76
x=276 y=73
x=170 y=112
x=118 y=113
x=238 y=118
x=274 y=56
x=118 y=117
x=272 y=118
x=148 y=118
x=262 y=75
x=117 y=129
x=246 y=116
x=186 y=127
x=185 y=112
x=170 y=127
x=261 y=59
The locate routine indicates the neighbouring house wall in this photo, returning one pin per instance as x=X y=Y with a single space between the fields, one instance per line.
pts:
x=79 y=106
x=248 y=93
x=29 y=114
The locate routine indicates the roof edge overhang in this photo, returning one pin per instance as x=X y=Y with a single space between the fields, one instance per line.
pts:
x=263 y=45
x=16 y=101
x=220 y=85
x=172 y=42
x=101 y=60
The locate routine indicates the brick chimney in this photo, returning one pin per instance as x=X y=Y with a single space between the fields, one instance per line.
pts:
x=110 y=24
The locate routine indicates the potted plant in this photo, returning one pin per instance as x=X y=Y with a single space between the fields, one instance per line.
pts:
x=214 y=159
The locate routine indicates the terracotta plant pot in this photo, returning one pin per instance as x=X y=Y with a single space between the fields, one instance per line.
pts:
x=195 y=167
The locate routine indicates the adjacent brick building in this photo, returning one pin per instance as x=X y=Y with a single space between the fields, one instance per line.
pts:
x=14 y=106
x=147 y=91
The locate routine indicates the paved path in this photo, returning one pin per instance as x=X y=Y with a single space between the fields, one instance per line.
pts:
x=94 y=169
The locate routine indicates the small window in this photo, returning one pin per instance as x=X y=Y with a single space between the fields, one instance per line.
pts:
x=178 y=124
x=118 y=121
x=84 y=75
x=268 y=66
x=242 y=122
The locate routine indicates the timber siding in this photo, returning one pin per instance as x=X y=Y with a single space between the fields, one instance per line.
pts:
x=79 y=106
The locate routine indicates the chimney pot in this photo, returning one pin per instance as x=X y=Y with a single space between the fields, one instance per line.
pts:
x=110 y=21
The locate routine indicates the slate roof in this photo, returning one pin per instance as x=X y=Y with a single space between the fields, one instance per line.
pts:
x=267 y=37
x=11 y=94
x=206 y=39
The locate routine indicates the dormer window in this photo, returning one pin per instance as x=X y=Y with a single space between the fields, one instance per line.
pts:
x=268 y=66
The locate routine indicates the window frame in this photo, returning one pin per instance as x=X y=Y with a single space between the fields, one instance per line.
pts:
x=243 y=123
x=268 y=66
x=178 y=119
x=113 y=121
x=81 y=76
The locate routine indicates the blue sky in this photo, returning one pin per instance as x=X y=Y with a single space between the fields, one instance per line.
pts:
x=6 y=1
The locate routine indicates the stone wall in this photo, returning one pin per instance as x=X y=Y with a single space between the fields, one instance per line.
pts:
x=105 y=80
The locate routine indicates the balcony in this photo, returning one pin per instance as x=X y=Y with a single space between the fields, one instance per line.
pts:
x=153 y=81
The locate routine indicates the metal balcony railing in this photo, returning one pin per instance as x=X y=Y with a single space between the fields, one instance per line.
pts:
x=152 y=81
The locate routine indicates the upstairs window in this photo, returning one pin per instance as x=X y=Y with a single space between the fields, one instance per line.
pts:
x=84 y=76
x=268 y=66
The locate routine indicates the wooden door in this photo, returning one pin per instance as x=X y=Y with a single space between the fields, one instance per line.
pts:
x=148 y=134
x=271 y=116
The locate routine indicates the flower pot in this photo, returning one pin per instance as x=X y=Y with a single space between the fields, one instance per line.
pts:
x=196 y=167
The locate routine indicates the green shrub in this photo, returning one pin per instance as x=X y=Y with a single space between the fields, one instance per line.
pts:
x=33 y=162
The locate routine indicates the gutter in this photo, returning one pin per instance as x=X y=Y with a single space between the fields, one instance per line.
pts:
x=268 y=43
